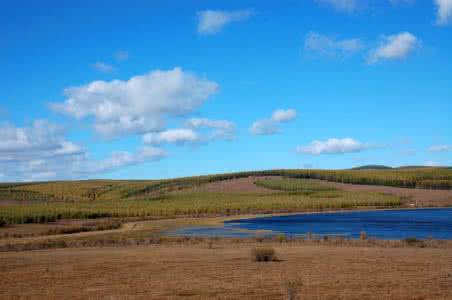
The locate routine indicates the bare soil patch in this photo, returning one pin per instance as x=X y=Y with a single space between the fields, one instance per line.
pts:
x=416 y=197
x=226 y=271
x=238 y=185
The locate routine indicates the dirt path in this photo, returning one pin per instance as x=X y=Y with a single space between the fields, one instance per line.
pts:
x=226 y=272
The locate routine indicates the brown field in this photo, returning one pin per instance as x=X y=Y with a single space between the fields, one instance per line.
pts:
x=226 y=272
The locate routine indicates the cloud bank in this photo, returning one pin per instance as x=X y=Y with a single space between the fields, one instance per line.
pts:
x=41 y=152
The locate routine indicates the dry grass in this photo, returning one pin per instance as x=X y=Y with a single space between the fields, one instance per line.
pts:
x=173 y=271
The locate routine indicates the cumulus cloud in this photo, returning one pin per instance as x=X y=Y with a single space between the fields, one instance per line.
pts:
x=41 y=151
x=172 y=136
x=138 y=105
x=348 y=6
x=213 y=21
x=199 y=130
x=393 y=47
x=103 y=67
x=281 y=115
x=271 y=126
x=334 y=146
x=331 y=46
x=219 y=129
x=444 y=13
x=42 y=136
x=121 y=159
x=264 y=127
x=440 y=148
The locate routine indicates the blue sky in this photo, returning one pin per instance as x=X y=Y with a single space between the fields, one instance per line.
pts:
x=156 y=89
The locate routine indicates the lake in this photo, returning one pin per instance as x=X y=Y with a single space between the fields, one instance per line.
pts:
x=381 y=224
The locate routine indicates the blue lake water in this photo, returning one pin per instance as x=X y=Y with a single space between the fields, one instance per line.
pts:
x=382 y=224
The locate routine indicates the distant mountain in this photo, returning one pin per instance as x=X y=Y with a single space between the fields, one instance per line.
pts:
x=416 y=167
x=372 y=167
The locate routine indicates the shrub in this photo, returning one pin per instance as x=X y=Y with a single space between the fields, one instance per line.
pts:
x=210 y=244
x=263 y=254
x=293 y=287
x=2 y=222
x=363 y=236
x=259 y=239
x=411 y=240
x=282 y=238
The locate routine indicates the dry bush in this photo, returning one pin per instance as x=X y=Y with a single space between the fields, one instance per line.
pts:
x=363 y=236
x=263 y=254
x=293 y=287
x=282 y=238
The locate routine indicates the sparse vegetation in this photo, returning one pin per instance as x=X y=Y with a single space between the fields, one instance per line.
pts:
x=363 y=236
x=411 y=241
x=293 y=287
x=263 y=254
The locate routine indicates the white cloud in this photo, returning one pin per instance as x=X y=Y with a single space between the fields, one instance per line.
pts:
x=41 y=136
x=394 y=47
x=41 y=151
x=264 y=127
x=138 y=105
x=334 y=146
x=444 y=14
x=199 y=130
x=103 y=67
x=121 y=55
x=281 y=115
x=331 y=46
x=341 y=5
x=122 y=159
x=440 y=148
x=213 y=21
x=271 y=126
x=221 y=129
x=173 y=136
